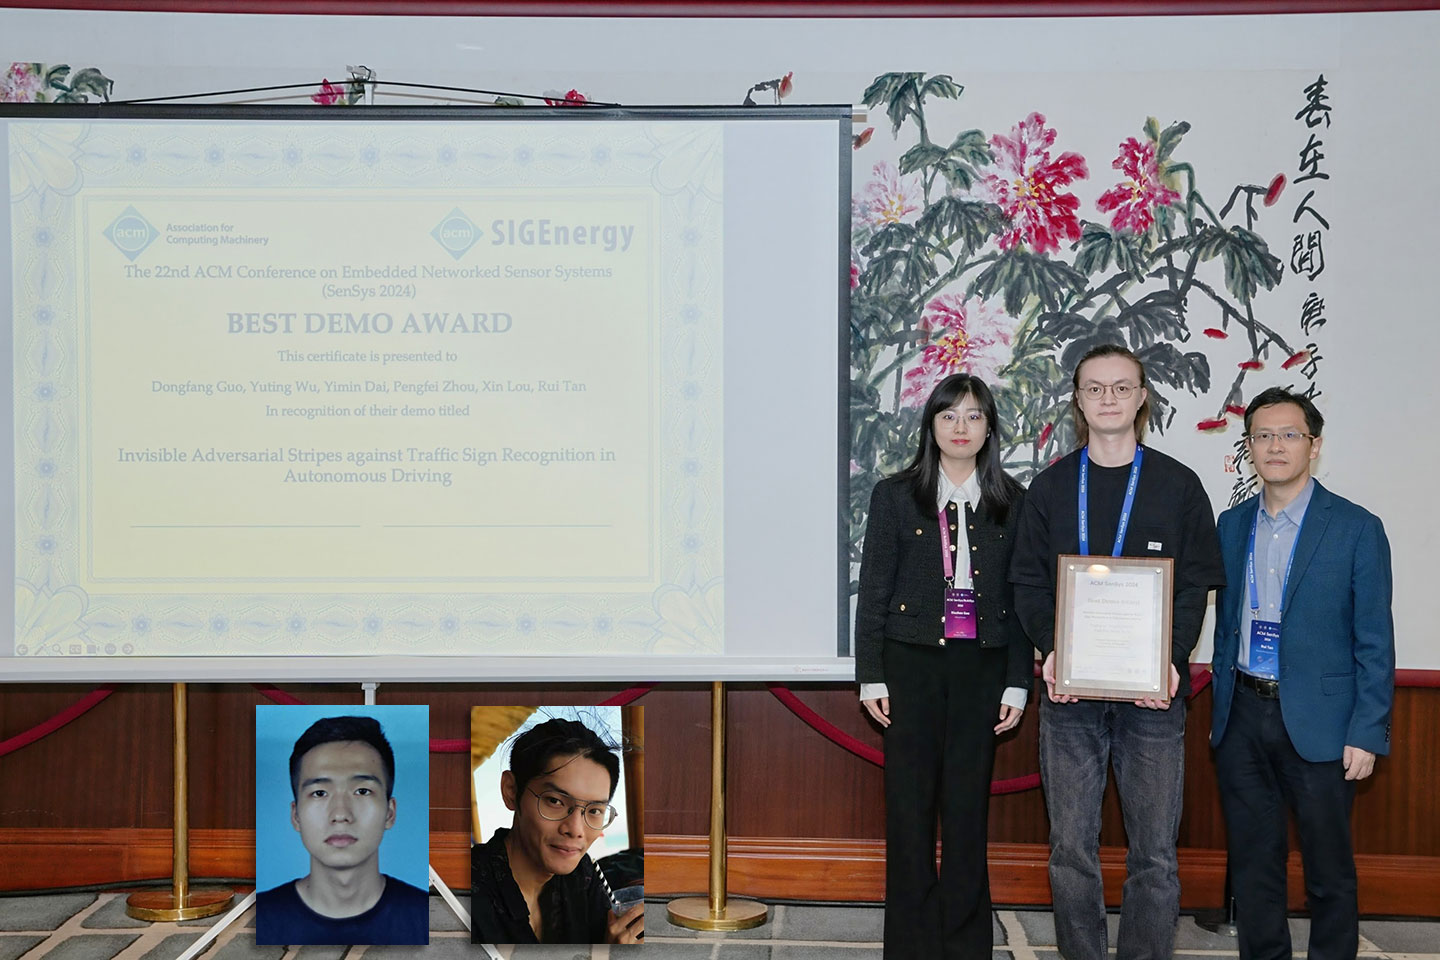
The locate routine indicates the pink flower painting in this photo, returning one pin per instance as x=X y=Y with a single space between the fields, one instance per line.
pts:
x=889 y=197
x=1134 y=199
x=329 y=94
x=962 y=336
x=570 y=98
x=20 y=84
x=1277 y=187
x=1041 y=216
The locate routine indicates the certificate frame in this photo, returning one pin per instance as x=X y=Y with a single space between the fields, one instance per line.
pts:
x=1104 y=608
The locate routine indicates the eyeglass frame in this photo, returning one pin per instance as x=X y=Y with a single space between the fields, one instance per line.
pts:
x=1129 y=389
x=584 y=805
x=1263 y=437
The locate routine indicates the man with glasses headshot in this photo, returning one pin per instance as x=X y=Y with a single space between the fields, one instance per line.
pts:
x=535 y=883
x=1304 y=679
x=1114 y=497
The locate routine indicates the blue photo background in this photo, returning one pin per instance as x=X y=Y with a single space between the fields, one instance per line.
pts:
x=405 y=850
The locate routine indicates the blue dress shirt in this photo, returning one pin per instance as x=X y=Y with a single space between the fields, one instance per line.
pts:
x=1274 y=543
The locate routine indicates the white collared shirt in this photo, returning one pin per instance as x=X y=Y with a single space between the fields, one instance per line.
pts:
x=962 y=494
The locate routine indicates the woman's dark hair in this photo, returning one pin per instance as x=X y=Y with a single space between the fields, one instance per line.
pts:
x=534 y=751
x=997 y=488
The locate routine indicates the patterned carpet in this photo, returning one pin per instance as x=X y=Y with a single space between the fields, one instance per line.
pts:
x=87 y=926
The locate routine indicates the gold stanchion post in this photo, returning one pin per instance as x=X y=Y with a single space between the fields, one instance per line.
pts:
x=717 y=911
x=181 y=902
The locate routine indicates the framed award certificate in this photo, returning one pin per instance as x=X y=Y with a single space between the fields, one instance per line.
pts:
x=1112 y=627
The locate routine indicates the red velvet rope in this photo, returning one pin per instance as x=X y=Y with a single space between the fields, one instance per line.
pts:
x=626 y=697
x=277 y=695
x=824 y=727
x=866 y=752
x=1199 y=680
x=44 y=729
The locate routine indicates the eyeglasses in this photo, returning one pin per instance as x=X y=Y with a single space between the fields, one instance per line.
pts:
x=559 y=806
x=1121 y=390
x=1264 y=437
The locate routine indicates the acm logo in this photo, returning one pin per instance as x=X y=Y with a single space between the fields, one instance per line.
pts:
x=457 y=233
x=131 y=233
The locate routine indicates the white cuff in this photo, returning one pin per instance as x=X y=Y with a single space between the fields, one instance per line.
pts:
x=1014 y=697
x=874 y=691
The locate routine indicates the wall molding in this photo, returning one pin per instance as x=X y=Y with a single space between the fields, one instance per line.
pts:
x=765 y=867
x=1390 y=884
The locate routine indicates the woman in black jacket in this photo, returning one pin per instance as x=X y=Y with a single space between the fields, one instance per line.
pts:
x=943 y=666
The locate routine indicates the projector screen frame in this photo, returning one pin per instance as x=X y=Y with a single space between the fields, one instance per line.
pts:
x=480 y=667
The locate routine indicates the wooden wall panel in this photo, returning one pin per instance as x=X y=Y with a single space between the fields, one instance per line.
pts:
x=110 y=770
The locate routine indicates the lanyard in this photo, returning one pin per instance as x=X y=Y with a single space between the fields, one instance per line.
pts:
x=1124 y=523
x=945 y=547
x=1250 y=563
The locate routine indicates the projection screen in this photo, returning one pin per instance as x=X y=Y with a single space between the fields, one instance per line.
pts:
x=426 y=393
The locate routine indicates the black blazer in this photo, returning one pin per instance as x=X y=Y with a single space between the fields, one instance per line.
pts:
x=902 y=583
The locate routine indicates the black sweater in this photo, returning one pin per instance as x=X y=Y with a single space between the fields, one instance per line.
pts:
x=1171 y=517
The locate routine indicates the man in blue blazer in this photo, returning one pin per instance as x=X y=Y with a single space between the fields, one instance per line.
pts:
x=1304 y=679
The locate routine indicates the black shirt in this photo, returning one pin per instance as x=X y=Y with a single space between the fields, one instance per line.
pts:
x=400 y=916
x=1171 y=517
x=574 y=908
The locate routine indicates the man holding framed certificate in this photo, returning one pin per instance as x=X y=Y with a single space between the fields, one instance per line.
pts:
x=1114 y=557
x=1304 y=681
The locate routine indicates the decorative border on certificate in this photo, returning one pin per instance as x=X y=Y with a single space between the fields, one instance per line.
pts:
x=1112 y=627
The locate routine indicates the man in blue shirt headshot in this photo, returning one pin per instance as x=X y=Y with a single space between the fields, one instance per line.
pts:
x=1304 y=669
x=342 y=776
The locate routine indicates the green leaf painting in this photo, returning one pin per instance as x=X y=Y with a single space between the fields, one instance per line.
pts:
x=972 y=254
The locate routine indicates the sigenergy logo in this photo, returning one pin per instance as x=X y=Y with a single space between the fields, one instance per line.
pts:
x=457 y=233
x=131 y=233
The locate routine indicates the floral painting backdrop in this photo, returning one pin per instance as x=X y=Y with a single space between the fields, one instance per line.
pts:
x=973 y=253
x=1002 y=225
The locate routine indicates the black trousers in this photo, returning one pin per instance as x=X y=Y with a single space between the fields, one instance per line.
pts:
x=939 y=754
x=1260 y=776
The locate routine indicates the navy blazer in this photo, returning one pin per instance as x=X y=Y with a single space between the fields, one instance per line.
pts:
x=1337 y=636
x=902 y=583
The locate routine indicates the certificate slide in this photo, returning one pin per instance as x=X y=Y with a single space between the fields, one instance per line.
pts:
x=328 y=388
x=413 y=411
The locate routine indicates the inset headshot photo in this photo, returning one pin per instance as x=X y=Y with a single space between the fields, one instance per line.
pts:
x=558 y=825
x=342 y=825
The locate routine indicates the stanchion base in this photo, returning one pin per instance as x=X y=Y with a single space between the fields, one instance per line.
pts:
x=694 y=913
x=161 y=904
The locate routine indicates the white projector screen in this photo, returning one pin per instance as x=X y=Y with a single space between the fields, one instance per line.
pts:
x=432 y=393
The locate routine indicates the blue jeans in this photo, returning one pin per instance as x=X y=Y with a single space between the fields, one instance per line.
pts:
x=1147 y=749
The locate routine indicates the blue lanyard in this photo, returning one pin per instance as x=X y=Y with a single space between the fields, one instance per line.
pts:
x=1250 y=563
x=1124 y=510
